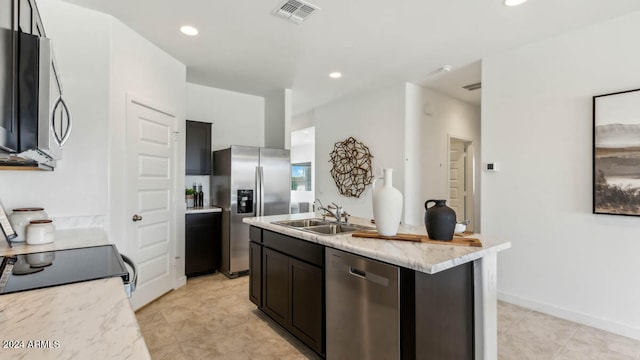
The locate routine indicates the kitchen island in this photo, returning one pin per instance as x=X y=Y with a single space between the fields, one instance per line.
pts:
x=423 y=264
x=86 y=320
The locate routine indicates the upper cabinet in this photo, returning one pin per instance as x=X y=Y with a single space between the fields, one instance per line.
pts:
x=8 y=118
x=198 y=148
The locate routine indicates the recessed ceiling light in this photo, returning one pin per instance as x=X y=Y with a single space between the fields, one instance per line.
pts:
x=189 y=30
x=335 y=75
x=514 y=2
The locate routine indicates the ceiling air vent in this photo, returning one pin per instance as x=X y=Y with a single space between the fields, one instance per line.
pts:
x=472 y=87
x=295 y=11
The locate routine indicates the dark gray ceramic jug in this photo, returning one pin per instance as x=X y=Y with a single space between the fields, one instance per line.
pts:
x=440 y=220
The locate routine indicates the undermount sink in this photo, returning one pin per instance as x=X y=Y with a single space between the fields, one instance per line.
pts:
x=302 y=222
x=322 y=227
x=332 y=229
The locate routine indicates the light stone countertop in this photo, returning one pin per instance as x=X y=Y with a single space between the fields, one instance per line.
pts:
x=423 y=257
x=206 y=209
x=89 y=320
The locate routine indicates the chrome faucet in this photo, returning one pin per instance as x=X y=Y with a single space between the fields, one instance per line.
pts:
x=338 y=213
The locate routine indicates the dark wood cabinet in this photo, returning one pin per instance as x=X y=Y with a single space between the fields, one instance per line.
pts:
x=202 y=243
x=444 y=314
x=306 y=303
x=255 y=266
x=255 y=273
x=198 y=148
x=288 y=284
x=275 y=279
x=8 y=77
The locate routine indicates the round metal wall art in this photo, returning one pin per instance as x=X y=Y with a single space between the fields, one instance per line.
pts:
x=351 y=170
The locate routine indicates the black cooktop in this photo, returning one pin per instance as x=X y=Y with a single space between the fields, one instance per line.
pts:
x=60 y=267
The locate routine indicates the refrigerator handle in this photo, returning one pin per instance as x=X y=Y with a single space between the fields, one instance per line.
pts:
x=261 y=191
x=257 y=194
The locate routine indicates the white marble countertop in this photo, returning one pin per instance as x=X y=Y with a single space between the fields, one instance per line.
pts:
x=206 y=209
x=423 y=257
x=88 y=320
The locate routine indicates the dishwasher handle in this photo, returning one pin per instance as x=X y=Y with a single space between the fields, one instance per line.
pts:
x=369 y=276
x=359 y=273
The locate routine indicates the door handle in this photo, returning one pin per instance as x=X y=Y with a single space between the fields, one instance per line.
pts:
x=136 y=217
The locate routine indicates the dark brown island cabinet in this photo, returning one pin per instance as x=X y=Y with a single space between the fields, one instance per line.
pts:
x=198 y=148
x=287 y=282
x=203 y=237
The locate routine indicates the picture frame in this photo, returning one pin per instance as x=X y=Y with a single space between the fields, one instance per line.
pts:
x=616 y=153
x=7 y=230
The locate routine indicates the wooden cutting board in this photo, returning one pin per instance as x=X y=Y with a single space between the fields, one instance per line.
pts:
x=457 y=239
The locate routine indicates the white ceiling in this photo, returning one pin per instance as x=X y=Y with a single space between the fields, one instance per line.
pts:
x=243 y=47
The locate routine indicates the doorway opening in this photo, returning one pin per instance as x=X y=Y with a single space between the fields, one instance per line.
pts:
x=461 y=180
x=302 y=170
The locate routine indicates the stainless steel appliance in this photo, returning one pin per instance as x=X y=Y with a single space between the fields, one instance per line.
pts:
x=247 y=181
x=362 y=307
x=60 y=267
x=36 y=121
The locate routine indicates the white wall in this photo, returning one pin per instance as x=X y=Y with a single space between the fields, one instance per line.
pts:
x=303 y=121
x=277 y=119
x=376 y=119
x=400 y=135
x=446 y=117
x=238 y=119
x=78 y=186
x=143 y=71
x=537 y=121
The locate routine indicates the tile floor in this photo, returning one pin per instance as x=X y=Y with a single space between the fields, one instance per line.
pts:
x=212 y=318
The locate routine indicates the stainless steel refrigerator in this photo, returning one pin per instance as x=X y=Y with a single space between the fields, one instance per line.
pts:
x=247 y=181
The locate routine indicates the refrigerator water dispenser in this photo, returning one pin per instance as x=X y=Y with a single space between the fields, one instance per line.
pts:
x=245 y=201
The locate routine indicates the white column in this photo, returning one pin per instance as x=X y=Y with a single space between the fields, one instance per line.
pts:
x=486 y=307
x=277 y=119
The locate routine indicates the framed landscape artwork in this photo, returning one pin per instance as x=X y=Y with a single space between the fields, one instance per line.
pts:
x=616 y=153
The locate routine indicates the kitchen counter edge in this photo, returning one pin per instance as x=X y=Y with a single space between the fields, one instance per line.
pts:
x=423 y=257
x=203 y=210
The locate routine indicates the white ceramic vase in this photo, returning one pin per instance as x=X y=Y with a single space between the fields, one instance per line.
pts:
x=20 y=219
x=387 y=205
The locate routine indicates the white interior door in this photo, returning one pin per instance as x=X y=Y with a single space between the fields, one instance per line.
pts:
x=150 y=162
x=457 y=178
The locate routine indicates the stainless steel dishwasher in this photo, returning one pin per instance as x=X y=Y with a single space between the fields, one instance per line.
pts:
x=363 y=307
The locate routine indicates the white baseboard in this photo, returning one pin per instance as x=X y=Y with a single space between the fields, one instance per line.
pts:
x=581 y=318
x=180 y=282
